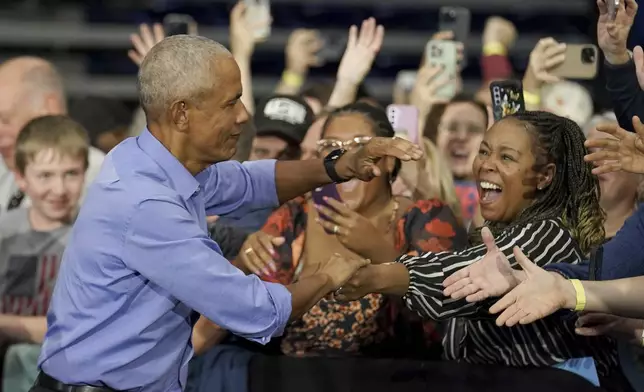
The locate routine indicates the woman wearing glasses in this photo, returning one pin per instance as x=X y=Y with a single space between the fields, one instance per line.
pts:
x=369 y=222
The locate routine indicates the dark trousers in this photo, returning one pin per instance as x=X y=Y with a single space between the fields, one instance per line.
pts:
x=40 y=389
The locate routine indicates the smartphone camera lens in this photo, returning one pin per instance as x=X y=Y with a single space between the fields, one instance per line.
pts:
x=588 y=55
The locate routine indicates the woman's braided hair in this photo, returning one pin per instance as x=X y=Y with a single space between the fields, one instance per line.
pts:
x=573 y=194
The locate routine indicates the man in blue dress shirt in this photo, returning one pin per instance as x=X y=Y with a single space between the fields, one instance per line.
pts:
x=140 y=264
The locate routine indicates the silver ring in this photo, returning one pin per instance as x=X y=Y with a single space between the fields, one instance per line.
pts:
x=335 y=229
x=248 y=251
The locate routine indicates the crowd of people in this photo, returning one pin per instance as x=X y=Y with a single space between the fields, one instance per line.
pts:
x=137 y=253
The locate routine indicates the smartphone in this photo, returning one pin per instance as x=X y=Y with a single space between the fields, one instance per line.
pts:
x=612 y=5
x=404 y=120
x=580 y=62
x=406 y=80
x=258 y=13
x=507 y=98
x=332 y=49
x=175 y=24
x=318 y=194
x=456 y=20
x=443 y=54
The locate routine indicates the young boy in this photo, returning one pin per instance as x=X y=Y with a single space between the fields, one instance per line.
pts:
x=50 y=160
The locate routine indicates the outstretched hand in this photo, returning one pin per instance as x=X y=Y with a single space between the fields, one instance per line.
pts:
x=361 y=162
x=539 y=295
x=489 y=277
x=623 y=152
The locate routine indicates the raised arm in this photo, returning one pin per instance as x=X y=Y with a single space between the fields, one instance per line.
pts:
x=185 y=262
x=621 y=78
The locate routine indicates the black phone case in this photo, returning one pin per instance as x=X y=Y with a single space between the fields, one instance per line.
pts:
x=507 y=98
x=456 y=20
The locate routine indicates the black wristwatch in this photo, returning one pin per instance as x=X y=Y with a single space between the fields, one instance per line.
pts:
x=329 y=165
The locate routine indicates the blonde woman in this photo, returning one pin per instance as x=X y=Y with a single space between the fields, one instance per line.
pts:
x=429 y=178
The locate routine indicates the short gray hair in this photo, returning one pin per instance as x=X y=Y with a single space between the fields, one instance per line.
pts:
x=177 y=68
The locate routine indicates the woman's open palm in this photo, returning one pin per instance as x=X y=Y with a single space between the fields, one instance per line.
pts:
x=623 y=152
x=539 y=295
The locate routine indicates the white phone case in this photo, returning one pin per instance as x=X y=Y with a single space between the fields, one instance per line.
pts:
x=258 y=13
x=443 y=54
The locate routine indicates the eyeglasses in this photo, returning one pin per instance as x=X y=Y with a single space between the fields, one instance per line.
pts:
x=325 y=146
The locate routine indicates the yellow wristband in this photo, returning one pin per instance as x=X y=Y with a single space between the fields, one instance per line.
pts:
x=531 y=98
x=292 y=79
x=494 y=48
x=581 y=295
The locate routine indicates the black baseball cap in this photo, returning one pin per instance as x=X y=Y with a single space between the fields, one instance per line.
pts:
x=285 y=116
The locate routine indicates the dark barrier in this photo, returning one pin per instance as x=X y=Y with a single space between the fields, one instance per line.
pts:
x=284 y=374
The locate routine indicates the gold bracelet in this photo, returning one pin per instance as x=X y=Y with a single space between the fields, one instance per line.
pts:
x=292 y=79
x=494 y=48
x=580 y=293
x=531 y=98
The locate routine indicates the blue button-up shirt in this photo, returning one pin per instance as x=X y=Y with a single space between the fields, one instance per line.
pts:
x=138 y=262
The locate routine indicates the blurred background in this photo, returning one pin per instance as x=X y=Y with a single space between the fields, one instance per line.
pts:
x=88 y=40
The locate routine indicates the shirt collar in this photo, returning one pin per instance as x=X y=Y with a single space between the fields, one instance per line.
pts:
x=179 y=177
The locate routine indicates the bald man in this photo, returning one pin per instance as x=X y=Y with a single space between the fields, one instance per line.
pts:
x=31 y=87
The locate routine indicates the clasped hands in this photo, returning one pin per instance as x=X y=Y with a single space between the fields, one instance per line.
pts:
x=259 y=256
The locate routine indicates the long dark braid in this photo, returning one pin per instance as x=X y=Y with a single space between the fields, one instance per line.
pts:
x=573 y=194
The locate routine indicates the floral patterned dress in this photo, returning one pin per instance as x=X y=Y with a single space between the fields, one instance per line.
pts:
x=365 y=326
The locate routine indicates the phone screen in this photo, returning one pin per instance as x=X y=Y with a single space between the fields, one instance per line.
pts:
x=318 y=194
x=507 y=98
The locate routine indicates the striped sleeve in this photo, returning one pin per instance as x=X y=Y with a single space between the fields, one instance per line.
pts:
x=544 y=242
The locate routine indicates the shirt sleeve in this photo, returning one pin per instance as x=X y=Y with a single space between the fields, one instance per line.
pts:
x=495 y=67
x=623 y=255
x=571 y=271
x=234 y=189
x=542 y=242
x=167 y=246
x=625 y=92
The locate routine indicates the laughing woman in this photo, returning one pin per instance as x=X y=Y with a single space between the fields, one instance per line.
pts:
x=536 y=193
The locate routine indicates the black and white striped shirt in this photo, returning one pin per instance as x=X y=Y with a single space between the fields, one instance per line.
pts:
x=477 y=339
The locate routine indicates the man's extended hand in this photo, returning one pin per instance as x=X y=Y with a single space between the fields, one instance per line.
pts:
x=362 y=162
x=489 y=277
